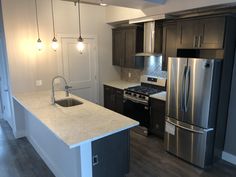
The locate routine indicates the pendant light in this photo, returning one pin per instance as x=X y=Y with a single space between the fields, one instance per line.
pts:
x=54 y=40
x=80 y=44
x=39 y=43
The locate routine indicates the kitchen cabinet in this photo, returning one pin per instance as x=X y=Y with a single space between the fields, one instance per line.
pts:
x=206 y=33
x=113 y=99
x=118 y=47
x=111 y=155
x=157 y=117
x=127 y=41
x=158 y=37
x=169 y=48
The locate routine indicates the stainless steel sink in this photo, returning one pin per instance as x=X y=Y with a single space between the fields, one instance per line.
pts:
x=68 y=102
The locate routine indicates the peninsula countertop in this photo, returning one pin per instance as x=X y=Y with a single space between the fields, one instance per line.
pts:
x=74 y=125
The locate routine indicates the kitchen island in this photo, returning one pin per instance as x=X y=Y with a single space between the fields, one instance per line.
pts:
x=86 y=140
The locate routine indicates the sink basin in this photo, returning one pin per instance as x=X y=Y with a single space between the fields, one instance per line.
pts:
x=68 y=102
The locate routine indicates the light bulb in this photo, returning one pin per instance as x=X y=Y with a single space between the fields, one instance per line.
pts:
x=80 y=45
x=39 y=44
x=55 y=44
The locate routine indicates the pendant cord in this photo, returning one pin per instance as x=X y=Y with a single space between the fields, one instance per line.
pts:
x=79 y=18
x=37 y=18
x=53 y=24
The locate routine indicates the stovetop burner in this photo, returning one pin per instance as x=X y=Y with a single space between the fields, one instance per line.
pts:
x=143 y=90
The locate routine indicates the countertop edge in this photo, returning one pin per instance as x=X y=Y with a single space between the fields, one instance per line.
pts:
x=72 y=146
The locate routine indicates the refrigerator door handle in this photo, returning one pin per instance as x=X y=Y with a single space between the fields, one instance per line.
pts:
x=186 y=90
x=183 y=92
x=189 y=129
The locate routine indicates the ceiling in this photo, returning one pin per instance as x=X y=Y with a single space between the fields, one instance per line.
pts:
x=137 y=4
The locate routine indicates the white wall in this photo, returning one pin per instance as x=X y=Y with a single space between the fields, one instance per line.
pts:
x=27 y=64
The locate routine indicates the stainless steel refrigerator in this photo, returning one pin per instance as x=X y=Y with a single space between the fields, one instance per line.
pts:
x=192 y=100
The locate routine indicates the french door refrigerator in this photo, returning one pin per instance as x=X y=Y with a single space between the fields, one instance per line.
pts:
x=192 y=99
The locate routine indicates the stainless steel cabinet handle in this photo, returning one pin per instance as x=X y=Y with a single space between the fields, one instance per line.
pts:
x=195 y=41
x=199 y=41
x=6 y=90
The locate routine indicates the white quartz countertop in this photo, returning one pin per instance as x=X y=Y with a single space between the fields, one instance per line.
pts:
x=74 y=125
x=120 y=84
x=159 y=96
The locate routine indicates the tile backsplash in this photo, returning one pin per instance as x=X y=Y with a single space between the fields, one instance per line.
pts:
x=152 y=67
x=134 y=74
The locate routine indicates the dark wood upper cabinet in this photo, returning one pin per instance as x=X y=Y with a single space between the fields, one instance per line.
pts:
x=169 y=48
x=118 y=47
x=212 y=33
x=206 y=33
x=158 y=37
x=127 y=41
x=187 y=34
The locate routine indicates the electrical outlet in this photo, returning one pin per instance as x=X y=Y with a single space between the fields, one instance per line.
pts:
x=129 y=75
x=39 y=83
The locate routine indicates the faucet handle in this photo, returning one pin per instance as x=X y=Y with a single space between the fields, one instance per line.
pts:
x=68 y=87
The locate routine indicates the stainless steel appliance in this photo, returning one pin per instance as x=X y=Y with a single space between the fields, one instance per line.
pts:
x=192 y=99
x=136 y=101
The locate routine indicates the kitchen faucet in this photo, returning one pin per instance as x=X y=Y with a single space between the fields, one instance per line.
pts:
x=53 y=100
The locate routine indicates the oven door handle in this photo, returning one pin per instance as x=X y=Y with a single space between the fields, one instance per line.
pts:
x=135 y=101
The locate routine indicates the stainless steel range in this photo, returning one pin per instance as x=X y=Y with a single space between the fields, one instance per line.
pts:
x=136 y=101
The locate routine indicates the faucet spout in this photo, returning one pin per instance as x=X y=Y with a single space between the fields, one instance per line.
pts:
x=53 y=100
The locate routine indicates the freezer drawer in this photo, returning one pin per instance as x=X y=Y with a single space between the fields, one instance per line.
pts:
x=190 y=143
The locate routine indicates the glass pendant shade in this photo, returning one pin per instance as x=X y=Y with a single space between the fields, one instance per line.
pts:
x=55 y=44
x=39 y=44
x=80 y=45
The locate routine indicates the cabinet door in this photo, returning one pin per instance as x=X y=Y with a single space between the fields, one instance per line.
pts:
x=211 y=33
x=169 y=44
x=130 y=48
x=187 y=34
x=118 y=47
x=109 y=98
x=111 y=155
x=157 y=117
x=119 y=101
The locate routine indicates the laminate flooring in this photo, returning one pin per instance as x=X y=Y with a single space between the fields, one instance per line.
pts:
x=17 y=156
x=148 y=159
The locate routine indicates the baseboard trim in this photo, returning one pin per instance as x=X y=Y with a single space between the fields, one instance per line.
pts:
x=229 y=157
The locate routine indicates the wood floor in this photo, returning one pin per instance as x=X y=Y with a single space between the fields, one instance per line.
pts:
x=18 y=158
x=148 y=159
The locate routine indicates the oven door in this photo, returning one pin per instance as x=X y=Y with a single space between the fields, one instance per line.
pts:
x=137 y=111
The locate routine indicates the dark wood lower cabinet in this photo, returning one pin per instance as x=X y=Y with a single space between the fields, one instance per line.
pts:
x=157 y=124
x=111 y=155
x=113 y=99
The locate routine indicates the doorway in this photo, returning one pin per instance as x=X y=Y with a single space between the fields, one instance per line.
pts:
x=5 y=94
x=80 y=69
x=5 y=97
